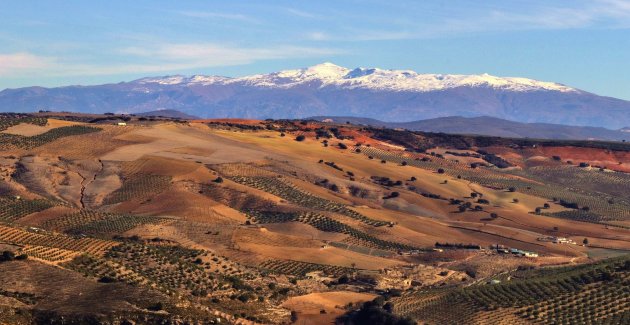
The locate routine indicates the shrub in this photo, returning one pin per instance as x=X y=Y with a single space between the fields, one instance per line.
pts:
x=374 y=313
x=106 y=279
x=300 y=138
x=294 y=316
x=392 y=195
x=7 y=256
x=156 y=307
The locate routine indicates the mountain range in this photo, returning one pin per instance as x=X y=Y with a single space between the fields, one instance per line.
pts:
x=330 y=90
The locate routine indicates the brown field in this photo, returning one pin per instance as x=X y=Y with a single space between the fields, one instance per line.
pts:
x=310 y=306
x=180 y=189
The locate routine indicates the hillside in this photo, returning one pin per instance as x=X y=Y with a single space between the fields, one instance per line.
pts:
x=228 y=221
x=327 y=89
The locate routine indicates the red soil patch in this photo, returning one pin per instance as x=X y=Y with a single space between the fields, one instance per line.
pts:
x=599 y=157
x=613 y=160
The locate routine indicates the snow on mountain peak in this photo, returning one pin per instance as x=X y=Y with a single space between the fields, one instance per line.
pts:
x=166 y=80
x=331 y=75
x=327 y=70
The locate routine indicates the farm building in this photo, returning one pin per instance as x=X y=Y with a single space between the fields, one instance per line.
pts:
x=530 y=254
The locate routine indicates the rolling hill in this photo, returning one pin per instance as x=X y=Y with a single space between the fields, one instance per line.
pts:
x=226 y=221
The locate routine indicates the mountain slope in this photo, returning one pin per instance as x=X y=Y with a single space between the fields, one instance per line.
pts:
x=327 y=89
x=485 y=125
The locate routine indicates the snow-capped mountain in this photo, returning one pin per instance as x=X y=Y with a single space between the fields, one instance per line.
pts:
x=330 y=75
x=328 y=89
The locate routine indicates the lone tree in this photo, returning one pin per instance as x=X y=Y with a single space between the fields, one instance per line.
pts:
x=440 y=171
x=585 y=241
x=300 y=138
x=294 y=316
x=7 y=256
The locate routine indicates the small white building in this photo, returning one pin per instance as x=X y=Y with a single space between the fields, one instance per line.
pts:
x=530 y=254
x=121 y=124
x=562 y=240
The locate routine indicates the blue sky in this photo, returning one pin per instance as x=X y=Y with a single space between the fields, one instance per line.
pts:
x=584 y=44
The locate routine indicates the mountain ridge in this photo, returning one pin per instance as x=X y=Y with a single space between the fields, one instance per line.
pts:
x=370 y=78
x=328 y=89
x=491 y=126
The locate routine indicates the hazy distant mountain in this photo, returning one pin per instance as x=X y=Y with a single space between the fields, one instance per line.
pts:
x=328 y=89
x=170 y=113
x=486 y=125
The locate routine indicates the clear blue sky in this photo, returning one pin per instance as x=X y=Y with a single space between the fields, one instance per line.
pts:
x=584 y=44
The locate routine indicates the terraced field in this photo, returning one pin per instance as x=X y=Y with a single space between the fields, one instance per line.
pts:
x=302 y=268
x=165 y=267
x=588 y=294
x=9 y=120
x=140 y=186
x=292 y=194
x=12 y=209
x=23 y=237
x=49 y=254
x=9 y=141
x=326 y=224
